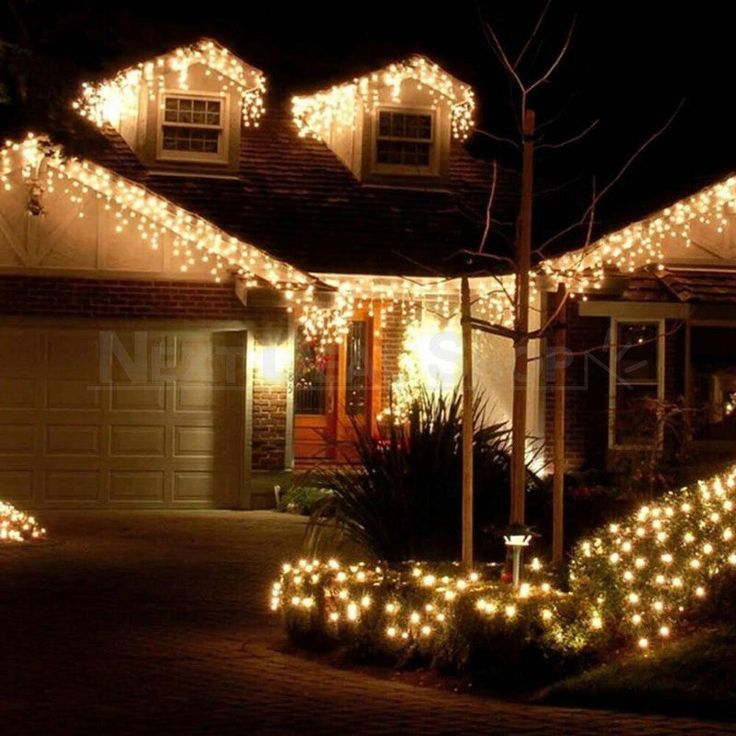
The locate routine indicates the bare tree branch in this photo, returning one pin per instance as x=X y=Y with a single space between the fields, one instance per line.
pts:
x=653 y=137
x=558 y=60
x=492 y=256
x=500 y=52
x=489 y=207
x=569 y=141
x=499 y=138
x=557 y=116
x=556 y=188
x=533 y=34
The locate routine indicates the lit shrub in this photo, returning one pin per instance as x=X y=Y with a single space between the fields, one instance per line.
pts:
x=428 y=614
x=17 y=526
x=638 y=577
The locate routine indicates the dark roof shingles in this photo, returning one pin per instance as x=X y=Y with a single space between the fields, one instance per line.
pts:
x=295 y=199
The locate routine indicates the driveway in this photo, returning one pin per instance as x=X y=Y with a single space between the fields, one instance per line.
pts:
x=133 y=623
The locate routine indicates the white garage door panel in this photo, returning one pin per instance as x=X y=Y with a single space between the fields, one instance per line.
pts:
x=158 y=424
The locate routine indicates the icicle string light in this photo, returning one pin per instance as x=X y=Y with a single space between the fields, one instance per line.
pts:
x=133 y=207
x=109 y=100
x=644 y=243
x=315 y=115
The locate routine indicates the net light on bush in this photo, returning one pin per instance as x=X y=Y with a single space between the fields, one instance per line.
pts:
x=17 y=526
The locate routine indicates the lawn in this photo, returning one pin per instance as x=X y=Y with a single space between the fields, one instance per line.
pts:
x=694 y=676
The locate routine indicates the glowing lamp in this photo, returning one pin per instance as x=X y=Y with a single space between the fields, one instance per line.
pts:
x=271 y=361
x=517 y=542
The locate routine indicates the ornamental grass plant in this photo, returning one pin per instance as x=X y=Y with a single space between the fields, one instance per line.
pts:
x=401 y=498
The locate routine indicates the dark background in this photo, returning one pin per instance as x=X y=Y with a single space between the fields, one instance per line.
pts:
x=630 y=65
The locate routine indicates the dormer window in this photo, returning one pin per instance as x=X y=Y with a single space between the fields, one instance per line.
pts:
x=392 y=127
x=404 y=139
x=192 y=128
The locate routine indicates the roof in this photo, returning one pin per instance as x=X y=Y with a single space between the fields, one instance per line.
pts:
x=295 y=199
x=687 y=286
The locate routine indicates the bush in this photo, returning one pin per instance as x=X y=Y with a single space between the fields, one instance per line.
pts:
x=401 y=499
x=432 y=615
x=637 y=578
x=302 y=500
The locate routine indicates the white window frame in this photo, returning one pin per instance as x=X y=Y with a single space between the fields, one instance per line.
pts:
x=403 y=169
x=613 y=376
x=194 y=156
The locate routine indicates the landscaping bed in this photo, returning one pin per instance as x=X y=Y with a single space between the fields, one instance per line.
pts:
x=639 y=594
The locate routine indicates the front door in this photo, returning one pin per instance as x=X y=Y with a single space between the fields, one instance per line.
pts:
x=335 y=391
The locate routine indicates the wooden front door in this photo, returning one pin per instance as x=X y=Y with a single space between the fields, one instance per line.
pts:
x=335 y=391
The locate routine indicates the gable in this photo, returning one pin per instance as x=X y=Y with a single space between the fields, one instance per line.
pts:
x=142 y=104
x=393 y=126
x=72 y=216
x=699 y=230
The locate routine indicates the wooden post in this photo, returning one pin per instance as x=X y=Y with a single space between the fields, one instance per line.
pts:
x=558 y=442
x=521 y=342
x=467 y=503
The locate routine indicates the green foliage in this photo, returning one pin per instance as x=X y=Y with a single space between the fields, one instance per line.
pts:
x=430 y=615
x=695 y=676
x=401 y=499
x=641 y=575
x=301 y=499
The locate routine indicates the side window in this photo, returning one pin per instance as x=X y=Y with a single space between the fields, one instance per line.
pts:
x=356 y=369
x=636 y=382
x=310 y=379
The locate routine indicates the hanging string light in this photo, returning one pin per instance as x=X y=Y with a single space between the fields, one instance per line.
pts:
x=134 y=208
x=108 y=101
x=316 y=115
x=644 y=243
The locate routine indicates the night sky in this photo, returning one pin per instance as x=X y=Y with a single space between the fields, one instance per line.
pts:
x=630 y=65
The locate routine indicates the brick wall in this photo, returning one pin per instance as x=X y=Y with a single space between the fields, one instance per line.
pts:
x=131 y=299
x=392 y=341
x=586 y=396
x=270 y=396
x=67 y=297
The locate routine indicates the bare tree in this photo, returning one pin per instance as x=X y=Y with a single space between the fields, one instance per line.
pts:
x=529 y=262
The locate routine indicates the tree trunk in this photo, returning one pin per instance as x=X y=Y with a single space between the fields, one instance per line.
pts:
x=558 y=485
x=521 y=343
x=467 y=510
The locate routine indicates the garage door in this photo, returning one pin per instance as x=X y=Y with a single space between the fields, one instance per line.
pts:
x=124 y=417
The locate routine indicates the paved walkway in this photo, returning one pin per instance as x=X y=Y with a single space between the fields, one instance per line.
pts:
x=138 y=623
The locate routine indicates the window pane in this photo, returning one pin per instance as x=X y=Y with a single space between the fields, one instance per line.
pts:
x=201 y=140
x=193 y=111
x=404 y=125
x=310 y=384
x=403 y=153
x=213 y=112
x=713 y=361
x=356 y=369
x=638 y=347
x=384 y=123
x=636 y=414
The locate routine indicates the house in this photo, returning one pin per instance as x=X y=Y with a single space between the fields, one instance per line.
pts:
x=650 y=357
x=212 y=298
